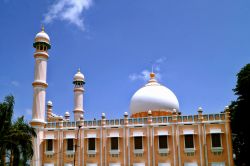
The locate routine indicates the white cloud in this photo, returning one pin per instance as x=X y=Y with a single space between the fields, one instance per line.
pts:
x=28 y=111
x=144 y=74
x=68 y=10
x=15 y=83
x=160 y=60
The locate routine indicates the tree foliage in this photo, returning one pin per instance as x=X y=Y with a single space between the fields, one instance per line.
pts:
x=15 y=137
x=239 y=119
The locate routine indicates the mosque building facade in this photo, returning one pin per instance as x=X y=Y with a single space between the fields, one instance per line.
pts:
x=155 y=133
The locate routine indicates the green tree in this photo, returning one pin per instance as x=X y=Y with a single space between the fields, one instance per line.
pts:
x=15 y=137
x=239 y=119
x=6 y=112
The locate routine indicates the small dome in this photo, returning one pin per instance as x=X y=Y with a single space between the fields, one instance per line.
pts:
x=49 y=103
x=42 y=37
x=66 y=114
x=149 y=112
x=153 y=96
x=79 y=76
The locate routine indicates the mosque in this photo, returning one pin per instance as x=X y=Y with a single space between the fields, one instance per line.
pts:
x=154 y=133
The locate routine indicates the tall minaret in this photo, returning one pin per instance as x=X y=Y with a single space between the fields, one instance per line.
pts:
x=78 y=95
x=42 y=45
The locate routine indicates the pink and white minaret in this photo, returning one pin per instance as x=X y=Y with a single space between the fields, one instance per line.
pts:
x=42 y=45
x=78 y=95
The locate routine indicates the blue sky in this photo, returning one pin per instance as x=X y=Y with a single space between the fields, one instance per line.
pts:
x=197 y=48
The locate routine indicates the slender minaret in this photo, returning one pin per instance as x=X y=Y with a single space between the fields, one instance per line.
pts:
x=49 y=110
x=78 y=95
x=41 y=44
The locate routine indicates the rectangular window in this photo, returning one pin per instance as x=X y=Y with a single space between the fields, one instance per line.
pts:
x=114 y=143
x=189 y=141
x=163 y=141
x=91 y=143
x=138 y=142
x=216 y=142
x=49 y=144
x=70 y=144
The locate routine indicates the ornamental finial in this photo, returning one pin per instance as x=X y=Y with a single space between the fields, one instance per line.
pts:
x=152 y=75
x=43 y=28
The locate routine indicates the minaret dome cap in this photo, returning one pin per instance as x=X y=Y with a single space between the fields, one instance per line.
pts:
x=79 y=76
x=49 y=103
x=42 y=37
x=42 y=34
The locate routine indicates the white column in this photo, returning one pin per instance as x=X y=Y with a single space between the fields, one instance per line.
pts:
x=78 y=102
x=37 y=157
x=38 y=109
x=39 y=94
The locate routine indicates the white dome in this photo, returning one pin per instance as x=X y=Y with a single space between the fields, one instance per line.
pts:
x=79 y=76
x=49 y=103
x=153 y=96
x=42 y=35
x=66 y=114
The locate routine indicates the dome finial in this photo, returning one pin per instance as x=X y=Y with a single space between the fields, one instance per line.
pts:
x=43 y=28
x=79 y=69
x=152 y=75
